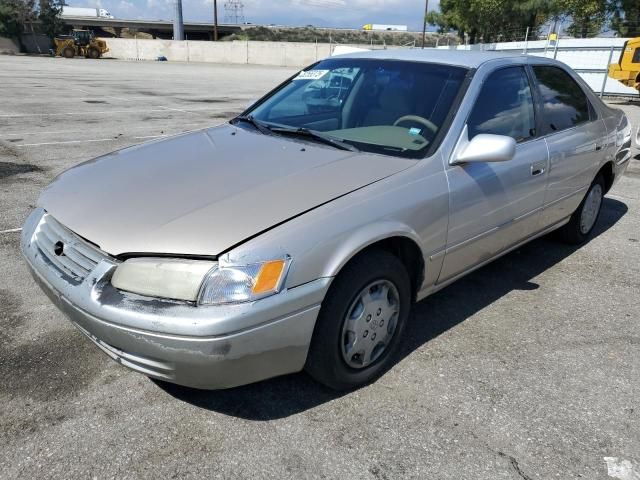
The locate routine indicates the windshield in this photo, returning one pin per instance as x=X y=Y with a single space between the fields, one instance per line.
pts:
x=382 y=106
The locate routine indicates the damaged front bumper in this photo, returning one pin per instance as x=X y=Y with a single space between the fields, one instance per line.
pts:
x=202 y=347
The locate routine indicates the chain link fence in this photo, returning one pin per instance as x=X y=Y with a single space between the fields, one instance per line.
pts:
x=589 y=57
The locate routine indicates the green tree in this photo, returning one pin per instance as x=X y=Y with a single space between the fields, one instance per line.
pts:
x=49 y=16
x=587 y=16
x=14 y=14
x=625 y=18
x=537 y=12
x=491 y=20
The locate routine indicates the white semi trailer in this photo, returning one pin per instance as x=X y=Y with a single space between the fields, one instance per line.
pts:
x=85 y=12
x=380 y=27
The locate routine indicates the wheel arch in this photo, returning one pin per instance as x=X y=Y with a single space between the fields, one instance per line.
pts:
x=397 y=239
x=607 y=172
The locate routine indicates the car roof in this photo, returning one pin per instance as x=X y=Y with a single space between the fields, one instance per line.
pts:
x=462 y=58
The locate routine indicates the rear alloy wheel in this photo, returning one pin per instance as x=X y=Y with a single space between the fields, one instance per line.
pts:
x=361 y=322
x=68 y=52
x=583 y=220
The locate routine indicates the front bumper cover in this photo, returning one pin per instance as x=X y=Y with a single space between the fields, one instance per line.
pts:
x=202 y=347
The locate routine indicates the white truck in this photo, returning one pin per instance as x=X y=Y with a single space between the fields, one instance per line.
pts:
x=389 y=28
x=85 y=12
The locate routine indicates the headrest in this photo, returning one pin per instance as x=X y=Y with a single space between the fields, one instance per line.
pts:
x=393 y=98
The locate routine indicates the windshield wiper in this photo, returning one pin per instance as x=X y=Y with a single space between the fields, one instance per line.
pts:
x=253 y=121
x=326 y=139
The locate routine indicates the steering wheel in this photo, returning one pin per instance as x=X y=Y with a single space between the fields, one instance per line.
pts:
x=415 y=118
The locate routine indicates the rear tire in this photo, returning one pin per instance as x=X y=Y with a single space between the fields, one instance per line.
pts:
x=69 y=52
x=361 y=322
x=579 y=228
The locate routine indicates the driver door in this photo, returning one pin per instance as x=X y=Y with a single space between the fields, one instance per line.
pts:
x=496 y=205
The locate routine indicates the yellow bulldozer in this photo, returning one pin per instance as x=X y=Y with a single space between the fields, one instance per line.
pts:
x=79 y=43
x=627 y=70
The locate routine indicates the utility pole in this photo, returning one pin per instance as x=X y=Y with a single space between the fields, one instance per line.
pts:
x=215 y=20
x=424 y=24
x=178 y=25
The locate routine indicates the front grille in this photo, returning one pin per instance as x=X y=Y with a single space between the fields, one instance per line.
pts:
x=70 y=254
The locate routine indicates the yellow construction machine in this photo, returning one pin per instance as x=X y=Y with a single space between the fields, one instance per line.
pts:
x=80 y=43
x=627 y=70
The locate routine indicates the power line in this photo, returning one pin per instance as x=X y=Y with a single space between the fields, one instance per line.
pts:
x=234 y=12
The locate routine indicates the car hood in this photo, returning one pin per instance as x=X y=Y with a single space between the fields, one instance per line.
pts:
x=204 y=192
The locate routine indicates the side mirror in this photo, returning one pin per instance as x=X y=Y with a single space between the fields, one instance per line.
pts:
x=484 y=147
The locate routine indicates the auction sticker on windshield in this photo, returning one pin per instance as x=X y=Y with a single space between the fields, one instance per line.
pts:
x=311 y=75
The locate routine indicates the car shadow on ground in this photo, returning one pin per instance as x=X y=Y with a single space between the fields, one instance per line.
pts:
x=284 y=396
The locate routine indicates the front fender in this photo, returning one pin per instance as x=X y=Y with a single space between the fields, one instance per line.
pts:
x=325 y=256
x=412 y=205
x=356 y=241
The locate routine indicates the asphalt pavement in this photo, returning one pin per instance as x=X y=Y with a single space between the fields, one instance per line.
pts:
x=528 y=368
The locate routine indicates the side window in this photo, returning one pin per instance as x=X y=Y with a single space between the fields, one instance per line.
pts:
x=565 y=105
x=504 y=106
x=636 y=56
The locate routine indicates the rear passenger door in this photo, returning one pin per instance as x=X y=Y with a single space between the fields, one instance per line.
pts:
x=495 y=205
x=575 y=137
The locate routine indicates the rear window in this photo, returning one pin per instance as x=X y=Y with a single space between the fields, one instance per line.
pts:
x=565 y=104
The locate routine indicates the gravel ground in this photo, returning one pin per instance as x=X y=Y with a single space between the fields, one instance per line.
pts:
x=528 y=368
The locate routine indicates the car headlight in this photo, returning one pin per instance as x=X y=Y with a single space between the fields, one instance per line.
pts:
x=162 y=277
x=208 y=283
x=237 y=284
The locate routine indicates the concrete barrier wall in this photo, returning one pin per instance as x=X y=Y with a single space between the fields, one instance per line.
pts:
x=589 y=57
x=286 y=54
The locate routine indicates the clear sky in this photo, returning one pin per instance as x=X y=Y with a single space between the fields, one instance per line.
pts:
x=329 y=13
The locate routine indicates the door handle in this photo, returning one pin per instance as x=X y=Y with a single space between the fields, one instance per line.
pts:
x=598 y=147
x=538 y=168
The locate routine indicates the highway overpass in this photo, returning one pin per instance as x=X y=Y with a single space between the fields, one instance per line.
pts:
x=156 y=28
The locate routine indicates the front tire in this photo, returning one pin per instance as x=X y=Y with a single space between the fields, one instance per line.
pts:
x=68 y=52
x=361 y=322
x=582 y=221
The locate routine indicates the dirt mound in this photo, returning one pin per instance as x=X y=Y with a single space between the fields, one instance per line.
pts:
x=8 y=46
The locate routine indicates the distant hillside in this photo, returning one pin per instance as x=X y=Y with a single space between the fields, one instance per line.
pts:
x=310 y=35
